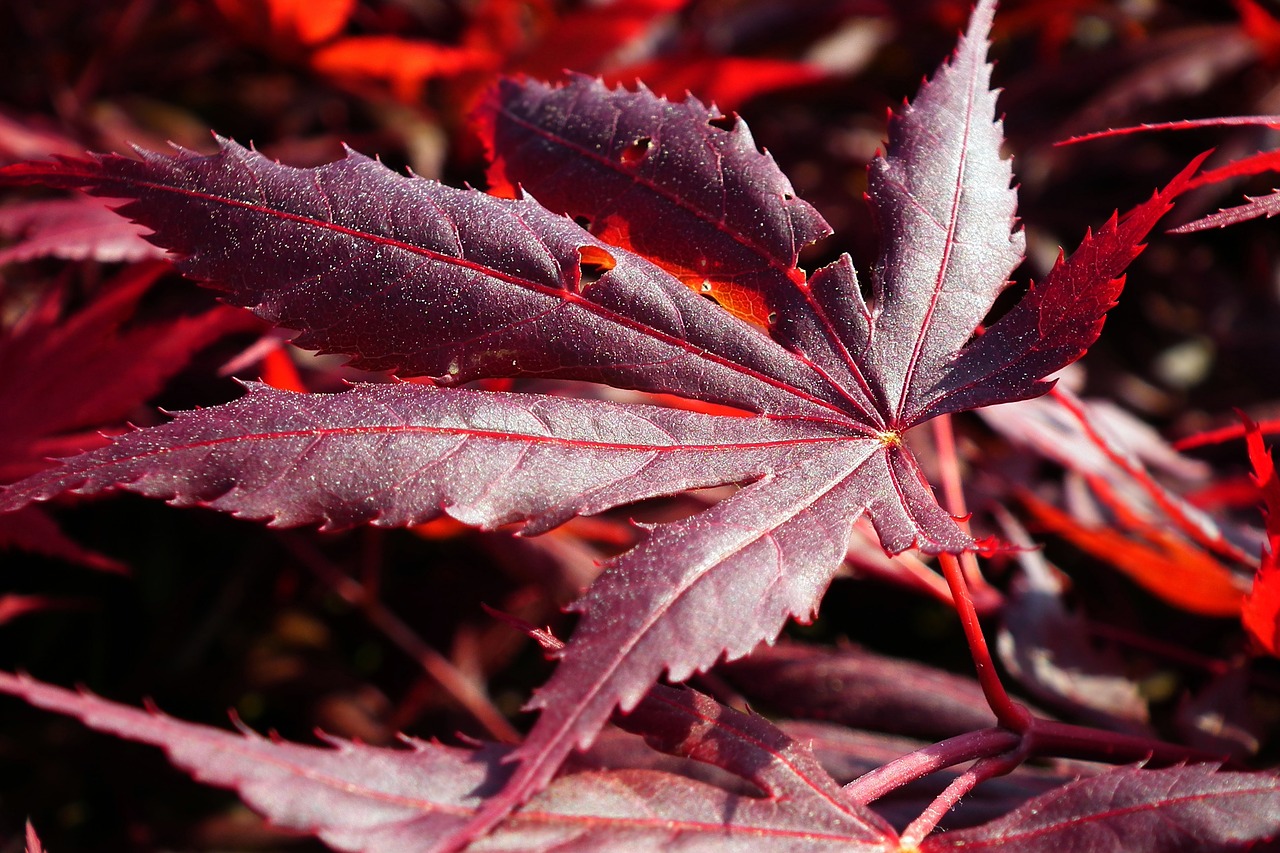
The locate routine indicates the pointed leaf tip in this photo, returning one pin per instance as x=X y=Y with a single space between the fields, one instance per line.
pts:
x=730 y=221
x=942 y=195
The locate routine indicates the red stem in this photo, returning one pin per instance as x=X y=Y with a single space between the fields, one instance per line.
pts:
x=1008 y=713
x=1041 y=738
x=1001 y=749
x=1012 y=715
x=930 y=759
x=1063 y=740
x=984 y=769
x=944 y=440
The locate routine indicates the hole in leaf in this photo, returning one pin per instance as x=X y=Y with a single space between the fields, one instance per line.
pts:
x=583 y=221
x=593 y=263
x=635 y=153
x=723 y=122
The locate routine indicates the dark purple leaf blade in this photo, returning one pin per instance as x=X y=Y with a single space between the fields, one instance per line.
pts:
x=892 y=695
x=356 y=797
x=401 y=454
x=1191 y=809
x=678 y=183
x=717 y=583
x=704 y=567
x=942 y=197
x=713 y=585
x=727 y=224
x=408 y=275
x=801 y=508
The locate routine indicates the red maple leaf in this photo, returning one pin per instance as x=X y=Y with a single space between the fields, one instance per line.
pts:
x=416 y=278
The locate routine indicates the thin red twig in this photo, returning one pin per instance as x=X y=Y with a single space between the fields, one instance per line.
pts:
x=930 y=759
x=981 y=771
x=944 y=439
x=1012 y=715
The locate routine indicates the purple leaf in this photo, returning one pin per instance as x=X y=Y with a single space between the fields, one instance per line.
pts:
x=406 y=275
x=941 y=194
x=892 y=695
x=688 y=723
x=400 y=454
x=1178 y=810
x=357 y=797
x=679 y=183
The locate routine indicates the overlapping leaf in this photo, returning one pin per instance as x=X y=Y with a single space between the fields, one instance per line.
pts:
x=1154 y=557
x=730 y=224
x=893 y=695
x=358 y=797
x=67 y=374
x=400 y=454
x=418 y=278
x=1046 y=647
x=406 y=275
x=75 y=228
x=1178 y=810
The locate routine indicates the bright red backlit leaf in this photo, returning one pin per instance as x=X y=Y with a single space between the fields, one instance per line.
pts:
x=1261 y=612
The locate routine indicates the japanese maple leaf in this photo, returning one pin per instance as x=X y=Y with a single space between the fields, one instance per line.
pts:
x=1182 y=809
x=358 y=797
x=413 y=277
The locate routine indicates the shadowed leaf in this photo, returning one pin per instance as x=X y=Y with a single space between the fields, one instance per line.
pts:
x=357 y=797
x=1179 y=810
